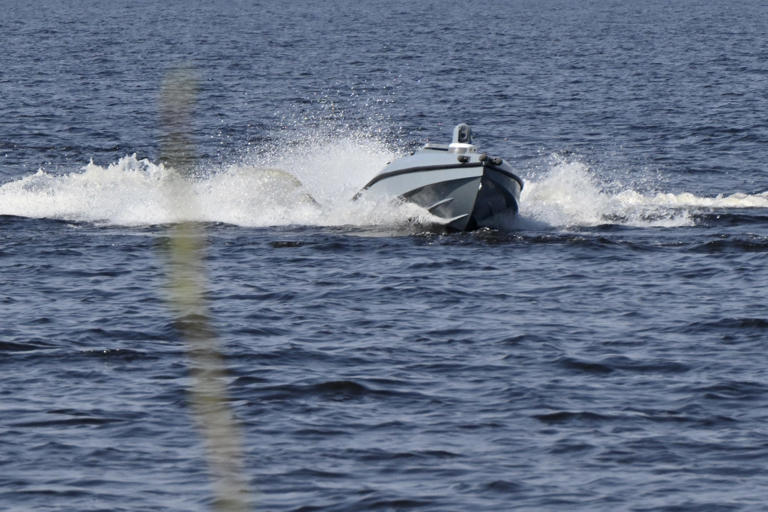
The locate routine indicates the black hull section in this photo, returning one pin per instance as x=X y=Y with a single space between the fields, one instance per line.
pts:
x=497 y=197
x=467 y=204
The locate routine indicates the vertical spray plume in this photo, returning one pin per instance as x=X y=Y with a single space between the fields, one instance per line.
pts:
x=186 y=272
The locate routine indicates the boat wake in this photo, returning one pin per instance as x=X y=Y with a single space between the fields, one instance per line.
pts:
x=313 y=183
x=570 y=195
x=310 y=185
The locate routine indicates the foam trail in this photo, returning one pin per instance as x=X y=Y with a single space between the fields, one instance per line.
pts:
x=127 y=192
x=570 y=195
x=688 y=200
x=309 y=183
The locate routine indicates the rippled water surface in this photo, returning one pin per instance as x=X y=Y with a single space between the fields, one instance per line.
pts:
x=606 y=350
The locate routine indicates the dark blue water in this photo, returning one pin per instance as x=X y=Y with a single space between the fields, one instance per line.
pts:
x=606 y=352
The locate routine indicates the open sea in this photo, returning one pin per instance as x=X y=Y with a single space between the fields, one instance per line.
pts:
x=605 y=350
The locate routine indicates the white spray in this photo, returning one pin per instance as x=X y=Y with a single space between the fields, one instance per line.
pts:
x=311 y=182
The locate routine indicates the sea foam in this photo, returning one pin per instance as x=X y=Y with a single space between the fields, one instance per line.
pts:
x=570 y=194
x=311 y=182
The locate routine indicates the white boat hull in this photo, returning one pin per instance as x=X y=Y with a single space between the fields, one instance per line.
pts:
x=466 y=190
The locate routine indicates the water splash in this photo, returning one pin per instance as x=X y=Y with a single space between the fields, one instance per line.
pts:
x=571 y=195
x=127 y=192
x=301 y=183
x=310 y=181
